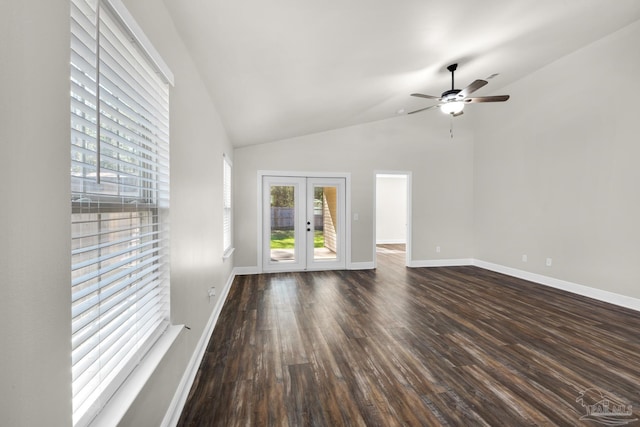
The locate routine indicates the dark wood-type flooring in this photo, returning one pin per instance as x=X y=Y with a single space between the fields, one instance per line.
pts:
x=450 y=346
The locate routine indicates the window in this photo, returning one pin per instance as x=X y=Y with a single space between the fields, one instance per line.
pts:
x=119 y=200
x=226 y=206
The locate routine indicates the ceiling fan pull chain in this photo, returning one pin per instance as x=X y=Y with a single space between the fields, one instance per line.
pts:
x=451 y=126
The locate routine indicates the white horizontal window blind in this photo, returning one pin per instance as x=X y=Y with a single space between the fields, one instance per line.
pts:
x=226 y=205
x=120 y=202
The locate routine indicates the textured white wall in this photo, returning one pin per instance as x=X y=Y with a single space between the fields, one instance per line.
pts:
x=557 y=169
x=442 y=173
x=391 y=209
x=35 y=243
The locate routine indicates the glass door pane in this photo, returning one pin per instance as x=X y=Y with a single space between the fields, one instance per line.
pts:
x=283 y=224
x=282 y=241
x=325 y=222
x=325 y=218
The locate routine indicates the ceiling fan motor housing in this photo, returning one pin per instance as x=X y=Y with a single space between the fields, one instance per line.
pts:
x=450 y=95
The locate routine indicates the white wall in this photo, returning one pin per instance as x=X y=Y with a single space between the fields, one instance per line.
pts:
x=35 y=294
x=557 y=171
x=35 y=243
x=442 y=170
x=391 y=209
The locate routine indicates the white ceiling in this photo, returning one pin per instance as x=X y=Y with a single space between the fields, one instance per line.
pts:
x=283 y=68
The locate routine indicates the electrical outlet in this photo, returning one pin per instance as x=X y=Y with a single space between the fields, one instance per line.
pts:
x=212 y=292
x=438 y=249
x=549 y=262
x=524 y=258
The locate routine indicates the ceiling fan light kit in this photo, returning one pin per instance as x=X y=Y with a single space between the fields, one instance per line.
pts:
x=452 y=107
x=453 y=100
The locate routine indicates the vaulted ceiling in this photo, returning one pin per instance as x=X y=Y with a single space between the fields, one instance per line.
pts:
x=283 y=68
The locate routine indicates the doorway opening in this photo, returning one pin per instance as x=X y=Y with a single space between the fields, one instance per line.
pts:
x=393 y=215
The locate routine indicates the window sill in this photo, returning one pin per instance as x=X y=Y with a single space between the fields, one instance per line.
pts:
x=119 y=404
x=228 y=254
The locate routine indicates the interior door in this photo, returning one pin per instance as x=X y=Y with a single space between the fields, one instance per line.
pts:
x=303 y=223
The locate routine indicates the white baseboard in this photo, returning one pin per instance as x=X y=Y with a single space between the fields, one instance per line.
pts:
x=246 y=271
x=441 y=262
x=391 y=242
x=587 y=291
x=361 y=266
x=180 y=397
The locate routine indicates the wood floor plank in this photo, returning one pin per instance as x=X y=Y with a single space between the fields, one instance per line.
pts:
x=303 y=406
x=451 y=346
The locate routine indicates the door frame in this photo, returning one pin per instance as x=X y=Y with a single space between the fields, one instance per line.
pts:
x=408 y=245
x=299 y=174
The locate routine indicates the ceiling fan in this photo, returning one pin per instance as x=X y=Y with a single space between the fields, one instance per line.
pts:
x=453 y=101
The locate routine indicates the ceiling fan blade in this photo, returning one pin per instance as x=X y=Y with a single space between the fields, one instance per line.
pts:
x=471 y=88
x=458 y=114
x=420 y=95
x=424 y=109
x=497 y=98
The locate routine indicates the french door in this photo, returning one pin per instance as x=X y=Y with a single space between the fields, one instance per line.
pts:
x=303 y=223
